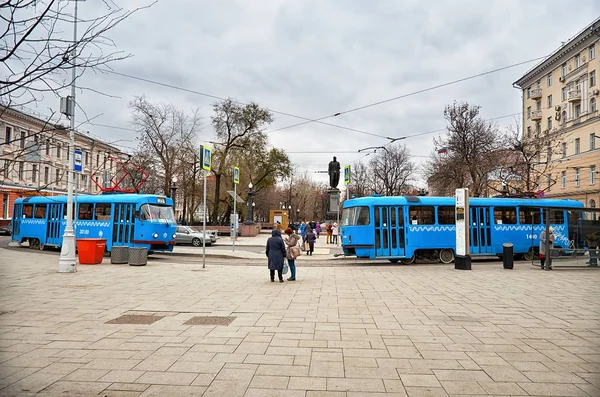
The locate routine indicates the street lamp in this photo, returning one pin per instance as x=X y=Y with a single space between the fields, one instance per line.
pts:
x=173 y=194
x=250 y=217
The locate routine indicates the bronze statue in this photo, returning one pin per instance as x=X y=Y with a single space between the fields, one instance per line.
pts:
x=334 y=173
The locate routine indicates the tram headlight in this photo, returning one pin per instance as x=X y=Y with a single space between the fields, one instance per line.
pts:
x=174 y=236
x=155 y=235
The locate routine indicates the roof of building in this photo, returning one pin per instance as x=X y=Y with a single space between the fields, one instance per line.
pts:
x=593 y=29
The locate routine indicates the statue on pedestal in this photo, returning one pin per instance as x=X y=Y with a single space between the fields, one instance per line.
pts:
x=334 y=173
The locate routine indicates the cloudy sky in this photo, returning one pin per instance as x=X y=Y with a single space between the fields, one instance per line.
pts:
x=314 y=58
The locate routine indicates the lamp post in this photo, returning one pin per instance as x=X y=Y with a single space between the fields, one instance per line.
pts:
x=253 y=205
x=173 y=195
x=250 y=217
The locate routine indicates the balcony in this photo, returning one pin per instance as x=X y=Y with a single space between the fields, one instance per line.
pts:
x=536 y=93
x=574 y=95
x=536 y=115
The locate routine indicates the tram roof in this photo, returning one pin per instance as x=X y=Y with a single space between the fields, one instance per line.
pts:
x=98 y=198
x=428 y=200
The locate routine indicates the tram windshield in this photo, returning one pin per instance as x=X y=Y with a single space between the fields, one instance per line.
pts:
x=355 y=216
x=157 y=213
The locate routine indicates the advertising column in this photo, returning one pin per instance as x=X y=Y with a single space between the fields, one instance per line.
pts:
x=462 y=259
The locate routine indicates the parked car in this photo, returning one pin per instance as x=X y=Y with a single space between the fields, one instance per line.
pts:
x=6 y=229
x=189 y=235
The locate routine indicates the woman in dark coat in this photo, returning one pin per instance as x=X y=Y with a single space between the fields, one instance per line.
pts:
x=276 y=254
x=310 y=238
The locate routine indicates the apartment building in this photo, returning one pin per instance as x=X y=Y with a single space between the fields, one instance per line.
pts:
x=561 y=97
x=34 y=158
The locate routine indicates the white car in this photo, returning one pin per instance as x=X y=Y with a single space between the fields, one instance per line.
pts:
x=189 y=235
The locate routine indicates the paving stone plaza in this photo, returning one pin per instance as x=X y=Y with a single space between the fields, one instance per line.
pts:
x=339 y=331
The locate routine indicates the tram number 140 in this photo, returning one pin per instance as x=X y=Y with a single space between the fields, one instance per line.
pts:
x=532 y=236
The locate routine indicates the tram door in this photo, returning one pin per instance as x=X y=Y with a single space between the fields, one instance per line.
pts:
x=123 y=224
x=53 y=234
x=389 y=232
x=16 y=219
x=480 y=233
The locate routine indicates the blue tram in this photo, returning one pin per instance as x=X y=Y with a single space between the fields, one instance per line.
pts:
x=406 y=228
x=134 y=220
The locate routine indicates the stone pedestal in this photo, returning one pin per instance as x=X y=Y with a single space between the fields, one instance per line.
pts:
x=249 y=230
x=333 y=205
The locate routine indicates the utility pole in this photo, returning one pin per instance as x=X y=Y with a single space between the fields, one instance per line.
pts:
x=67 y=261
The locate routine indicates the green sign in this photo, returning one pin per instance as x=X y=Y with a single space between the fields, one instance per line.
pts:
x=346 y=174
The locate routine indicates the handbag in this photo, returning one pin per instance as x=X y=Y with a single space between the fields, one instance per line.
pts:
x=285 y=267
x=296 y=251
x=306 y=246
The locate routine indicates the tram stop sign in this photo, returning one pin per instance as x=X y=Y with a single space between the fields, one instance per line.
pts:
x=77 y=161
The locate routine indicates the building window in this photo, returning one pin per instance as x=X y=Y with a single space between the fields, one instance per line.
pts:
x=564 y=179
x=46 y=174
x=564 y=150
x=58 y=149
x=23 y=136
x=538 y=105
x=57 y=177
x=576 y=177
x=21 y=170
x=539 y=84
x=538 y=128
x=5 y=206
x=593 y=175
x=98 y=160
x=7 y=135
x=549 y=123
x=592 y=52
x=592 y=78
x=528 y=112
x=563 y=69
x=577 y=109
x=87 y=158
x=528 y=92
x=564 y=117
x=577 y=145
x=34 y=173
x=577 y=61
x=5 y=169
x=592 y=141
x=68 y=151
x=549 y=101
x=528 y=131
x=549 y=80
x=84 y=181
x=593 y=105
x=47 y=147
x=564 y=94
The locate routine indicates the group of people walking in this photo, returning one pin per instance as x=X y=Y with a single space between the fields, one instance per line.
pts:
x=290 y=245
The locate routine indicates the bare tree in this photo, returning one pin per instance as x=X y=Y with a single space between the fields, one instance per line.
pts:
x=165 y=131
x=392 y=170
x=36 y=45
x=472 y=145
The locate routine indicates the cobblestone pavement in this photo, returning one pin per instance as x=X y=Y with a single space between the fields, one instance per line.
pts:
x=336 y=332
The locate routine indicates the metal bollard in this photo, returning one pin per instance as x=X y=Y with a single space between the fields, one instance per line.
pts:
x=508 y=259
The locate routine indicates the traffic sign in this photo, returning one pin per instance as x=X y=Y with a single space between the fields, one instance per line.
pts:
x=236 y=175
x=78 y=161
x=206 y=156
x=346 y=174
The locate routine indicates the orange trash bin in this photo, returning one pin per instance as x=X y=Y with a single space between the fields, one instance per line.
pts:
x=90 y=250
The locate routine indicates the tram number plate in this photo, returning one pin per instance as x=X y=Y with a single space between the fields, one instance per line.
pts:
x=84 y=231
x=532 y=236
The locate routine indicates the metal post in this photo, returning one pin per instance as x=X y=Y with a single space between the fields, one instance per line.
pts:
x=67 y=261
x=337 y=241
x=204 y=224
x=234 y=216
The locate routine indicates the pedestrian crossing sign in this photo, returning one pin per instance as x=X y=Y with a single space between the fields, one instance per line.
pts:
x=236 y=175
x=347 y=175
x=206 y=156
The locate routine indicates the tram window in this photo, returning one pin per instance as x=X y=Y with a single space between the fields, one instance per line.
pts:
x=28 y=211
x=86 y=211
x=393 y=217
x=347 y=216
x=102 y=212
x=528 y=216
x=422 y=215
x=505 y=215
x=363 y=218
x=556 y=216
x=40 y=211
x=446 y=216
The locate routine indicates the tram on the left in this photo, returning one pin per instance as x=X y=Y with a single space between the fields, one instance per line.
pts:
x=133 y=220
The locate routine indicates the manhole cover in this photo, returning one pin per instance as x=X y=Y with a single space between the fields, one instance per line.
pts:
x=209 y=320
x=135 y=319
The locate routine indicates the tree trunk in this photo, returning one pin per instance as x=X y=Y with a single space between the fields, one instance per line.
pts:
x=215 y=212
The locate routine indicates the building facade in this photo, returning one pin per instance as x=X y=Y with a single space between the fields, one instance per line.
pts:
x=561 y=97
x=34 y=159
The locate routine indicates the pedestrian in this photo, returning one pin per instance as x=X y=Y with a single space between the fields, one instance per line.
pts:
x=551 y=239
x=593 y=241
x=293 y=251
x=335 y=231
x=303 y=229
x=318 y=229
x=276 y=253
x=328 y=233
x=278 y=226
x=310 y=239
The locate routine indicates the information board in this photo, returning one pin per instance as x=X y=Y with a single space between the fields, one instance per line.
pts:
x=462 y=222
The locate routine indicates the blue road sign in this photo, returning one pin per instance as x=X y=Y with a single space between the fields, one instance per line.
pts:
x=78 y=161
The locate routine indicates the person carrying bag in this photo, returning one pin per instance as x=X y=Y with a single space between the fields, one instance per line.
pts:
x=292 y=251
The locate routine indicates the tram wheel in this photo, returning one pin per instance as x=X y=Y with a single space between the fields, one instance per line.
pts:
x=529 y=255
x=408 y=261
x=446 y=256
x=196 y=242
x=34 y=243
x=393 y=260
